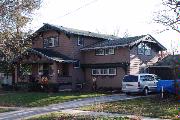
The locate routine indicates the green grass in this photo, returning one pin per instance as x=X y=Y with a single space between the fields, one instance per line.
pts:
x=30 y=99
x=5 y=110
x=150 y=107
x=62 y=116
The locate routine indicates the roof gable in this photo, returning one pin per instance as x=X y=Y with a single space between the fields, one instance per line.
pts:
x=125 y=42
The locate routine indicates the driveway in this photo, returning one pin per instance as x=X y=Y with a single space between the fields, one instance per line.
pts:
x=28 y=112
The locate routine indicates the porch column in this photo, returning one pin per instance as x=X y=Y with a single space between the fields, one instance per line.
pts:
x=54 y=77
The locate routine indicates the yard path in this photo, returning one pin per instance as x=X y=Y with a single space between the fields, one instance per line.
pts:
x=28 y=112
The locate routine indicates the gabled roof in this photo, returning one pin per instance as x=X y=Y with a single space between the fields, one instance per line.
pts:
x=47 y=53
x=170 y=60
x=51 y=54
x=73 y=31
x=125 y=42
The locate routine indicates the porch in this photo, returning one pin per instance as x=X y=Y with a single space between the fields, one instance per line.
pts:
x=40 y=64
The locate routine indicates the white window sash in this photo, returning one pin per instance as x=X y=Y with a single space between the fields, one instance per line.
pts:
x=99 y=53
x=101 y=72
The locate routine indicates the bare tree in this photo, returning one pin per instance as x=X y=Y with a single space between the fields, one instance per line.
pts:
x=170 y=15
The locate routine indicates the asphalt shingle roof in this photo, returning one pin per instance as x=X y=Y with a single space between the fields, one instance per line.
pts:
x=107 y=40
x=170 y=60
x=51 y=54
x=75 y=31
x=129 y=41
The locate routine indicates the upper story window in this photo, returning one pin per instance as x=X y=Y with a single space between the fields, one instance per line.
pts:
x=144 y=49
x=51 y=42
x=108 y=51
x=80 y=41
x=99 y=52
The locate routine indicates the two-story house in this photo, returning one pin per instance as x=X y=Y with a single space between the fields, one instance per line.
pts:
x=70 y=56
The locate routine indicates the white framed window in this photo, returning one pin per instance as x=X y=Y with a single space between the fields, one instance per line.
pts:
x=96 y=71
x=141 y=49
x=112 y=71
x=144 y=49
x=80 y=41
x=109 y=51
x=51 y=42
x=77 y=64
x=104 y=71
x=147 y=50
x=99 y=52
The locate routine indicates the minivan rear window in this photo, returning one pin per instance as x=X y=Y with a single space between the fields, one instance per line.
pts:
x=130 y=78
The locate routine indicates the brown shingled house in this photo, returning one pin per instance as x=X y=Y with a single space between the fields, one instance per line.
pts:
x=70 y=57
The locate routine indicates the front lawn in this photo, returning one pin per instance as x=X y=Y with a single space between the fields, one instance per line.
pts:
x=152 y=106
x=62 y=116
x=33 y=99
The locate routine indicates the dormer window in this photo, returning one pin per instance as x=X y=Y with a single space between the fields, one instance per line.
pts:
x=51 y=42
x=80 y=41
x=144 y=49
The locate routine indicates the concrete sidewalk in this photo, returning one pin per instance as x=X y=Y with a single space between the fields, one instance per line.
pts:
x=28 y=112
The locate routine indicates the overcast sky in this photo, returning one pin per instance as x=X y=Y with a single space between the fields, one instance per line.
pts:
x=106 y=16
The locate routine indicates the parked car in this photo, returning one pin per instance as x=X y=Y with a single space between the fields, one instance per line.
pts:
x=140 y=83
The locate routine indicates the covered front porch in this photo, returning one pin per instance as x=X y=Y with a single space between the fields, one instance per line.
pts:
x=44 y=65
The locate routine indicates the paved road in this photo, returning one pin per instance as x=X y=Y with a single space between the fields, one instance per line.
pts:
x=21 y=114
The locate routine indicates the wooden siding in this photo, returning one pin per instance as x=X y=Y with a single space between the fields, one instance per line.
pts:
x=121 y=55
x=105 y=81
x=137 y=61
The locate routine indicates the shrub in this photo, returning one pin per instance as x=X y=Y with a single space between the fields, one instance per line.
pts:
x=53 y=87
x=7 y=87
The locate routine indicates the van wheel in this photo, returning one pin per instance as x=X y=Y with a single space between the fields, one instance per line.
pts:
x=145 y=91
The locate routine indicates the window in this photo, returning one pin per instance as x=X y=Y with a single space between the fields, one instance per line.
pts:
x=104 y=71
x=144 y=49
x=109 y=51
x=112 y=71
x=99 y=52
x=141 y=49
x=77 y=64
x=130 y=78
x=95 y=71
x=147 y=50
x=80 y=41
x=147 y=78
x=51 y=42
